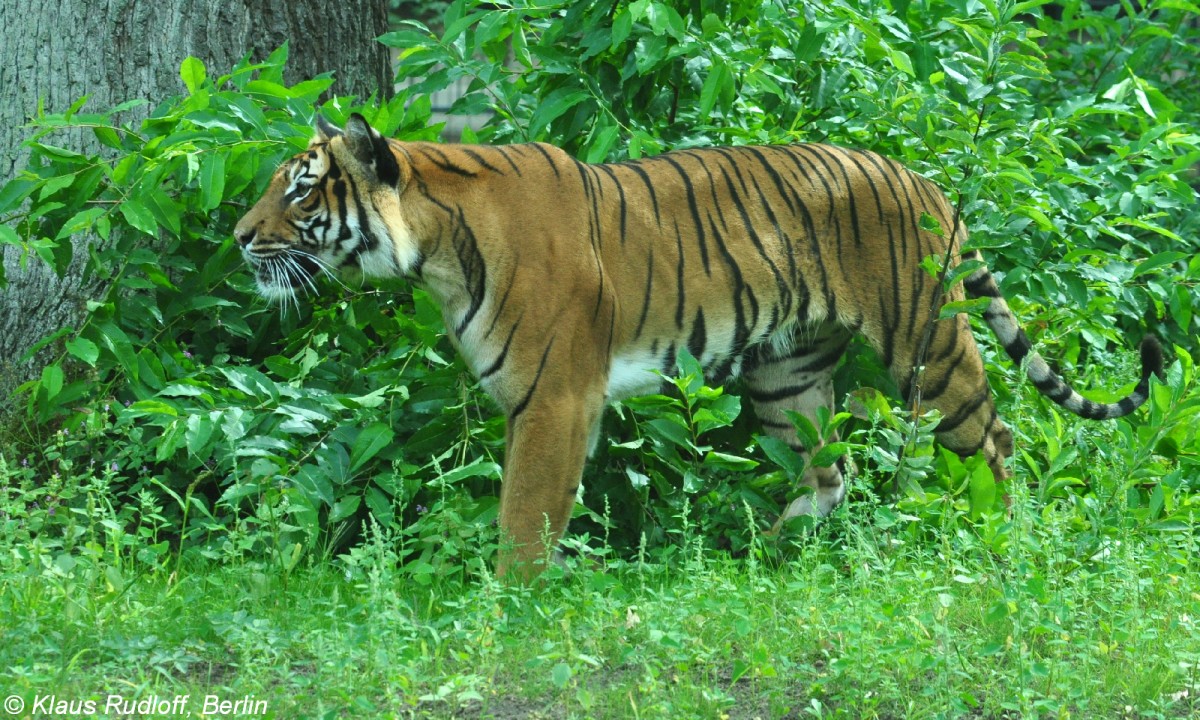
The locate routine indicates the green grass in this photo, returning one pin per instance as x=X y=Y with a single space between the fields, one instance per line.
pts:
x=873 y=615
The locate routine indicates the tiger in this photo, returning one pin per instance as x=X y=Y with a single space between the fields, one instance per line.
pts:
x=566 y=286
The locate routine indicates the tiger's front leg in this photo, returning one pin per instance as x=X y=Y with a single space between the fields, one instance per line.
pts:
x=547 y=442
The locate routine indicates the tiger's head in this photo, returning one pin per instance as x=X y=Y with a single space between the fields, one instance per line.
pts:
x=335 y=206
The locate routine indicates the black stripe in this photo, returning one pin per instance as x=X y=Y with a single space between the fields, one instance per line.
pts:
x=964 y=411
x=442 y=161
x=645 y=178
x=520 y=408
x=505 y=152
x=474 y=269
x=549 y=160
x=1053 y=387
x=694 y=208
x=852 y=157
x=781 y=393
x=1019 y=347
x=369 y=239
x=932 y=391
x=679 y=293
x=773 y=173
x=698 y=338
x=646 y=297
x=887 y=353
x=799 y=156
x=920 y=277
x=589 y=180
x=498 y=310
x=620 y=199
x=785 y=294
x=469 y=152
x=828 y=356
x=982 y=286
x=499 y=361
x=834 y=154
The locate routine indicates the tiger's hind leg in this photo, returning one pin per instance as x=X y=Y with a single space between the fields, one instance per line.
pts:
x=954 y=383
x=801 y=379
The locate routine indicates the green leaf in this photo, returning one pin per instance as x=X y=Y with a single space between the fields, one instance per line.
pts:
x=270 y=89
x=315 y=484
x=718 y=82
x=962 y=270
x=380 y=506
x=84 y=349
x=805 y=429
x=251 y=381
x=740 y=669
x=46 y=341
x=193 y=74
x=8 y=236
x=212 y=180
x=1181 y=305
x=117 y=342
x=982 y=490
x=974 y=306
x=81 y=221
x=369 y=443
x=553 y=106
x=560 y=674
x=780 y=453
x=602 y=143
x=199 y=434
x=621 y=27
x=15 y=192
x=138 y=216
x=901 y=61
x=63 y=154
x=726 y=461
x=182 y=390
x=54 y=184
x=671 y=430
x=153 y=407
x=479 y=468
x=1159 y=260
x=829 y=454
x=344 y=508
x=52 y=381
x=165 y=210
x=107 y=136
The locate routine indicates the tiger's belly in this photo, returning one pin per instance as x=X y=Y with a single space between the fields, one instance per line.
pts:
x=632 y=374
x=641 y=372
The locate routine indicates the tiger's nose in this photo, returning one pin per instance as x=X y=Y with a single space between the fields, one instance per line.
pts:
x=244 y=236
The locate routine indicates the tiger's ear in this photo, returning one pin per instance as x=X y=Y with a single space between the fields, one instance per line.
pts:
x=372 y=149
x=326 y=130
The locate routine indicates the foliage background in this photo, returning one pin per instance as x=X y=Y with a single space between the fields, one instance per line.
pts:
x=218 y=427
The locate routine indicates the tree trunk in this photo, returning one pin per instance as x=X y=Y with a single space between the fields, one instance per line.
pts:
x=118 y=50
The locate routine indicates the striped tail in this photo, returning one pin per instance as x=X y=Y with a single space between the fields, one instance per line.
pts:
x=1002 y=322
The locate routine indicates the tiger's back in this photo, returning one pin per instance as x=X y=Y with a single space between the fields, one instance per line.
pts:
x=566 y=285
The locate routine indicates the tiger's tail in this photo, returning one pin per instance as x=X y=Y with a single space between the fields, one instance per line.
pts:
x=1000 y=319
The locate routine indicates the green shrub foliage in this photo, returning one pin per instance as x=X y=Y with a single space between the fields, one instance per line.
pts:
x=1065 y=143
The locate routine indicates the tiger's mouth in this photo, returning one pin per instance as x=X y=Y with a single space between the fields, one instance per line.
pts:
x=282 y=276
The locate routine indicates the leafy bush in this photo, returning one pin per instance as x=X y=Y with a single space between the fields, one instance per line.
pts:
x=182 y=384
x=253 y=432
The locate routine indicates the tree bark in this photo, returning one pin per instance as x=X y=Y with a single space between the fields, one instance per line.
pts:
x=116 y=50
